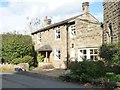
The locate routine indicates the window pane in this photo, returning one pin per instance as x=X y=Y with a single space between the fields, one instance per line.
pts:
x=58 y=54
x=91 y=51
x=95 y=51
x=81 y=51
x=96 y=57
x=91 y=57
x=85 y=57
x=84 y=51
x=58 y=33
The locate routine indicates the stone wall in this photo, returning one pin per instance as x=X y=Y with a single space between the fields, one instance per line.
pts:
x=88 y=35
x=48 y=37
x=112 y=15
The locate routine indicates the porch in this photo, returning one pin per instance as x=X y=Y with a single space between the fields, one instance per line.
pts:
x=45 y=51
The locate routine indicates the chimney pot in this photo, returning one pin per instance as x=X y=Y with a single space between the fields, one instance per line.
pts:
x=47 y=21
x=85 y=7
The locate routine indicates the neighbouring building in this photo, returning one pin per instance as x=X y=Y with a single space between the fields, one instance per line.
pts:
x=72 y=39
x=111 y=21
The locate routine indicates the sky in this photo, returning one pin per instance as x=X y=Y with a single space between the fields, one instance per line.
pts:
x=15 y=15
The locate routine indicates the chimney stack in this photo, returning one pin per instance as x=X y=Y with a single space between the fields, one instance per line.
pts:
x=47 y=21
x=85 y=7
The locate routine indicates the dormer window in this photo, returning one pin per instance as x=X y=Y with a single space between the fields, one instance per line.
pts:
x=57 y=33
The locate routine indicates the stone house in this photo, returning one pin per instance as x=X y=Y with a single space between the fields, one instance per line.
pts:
x=111 y=21
x=72 y=39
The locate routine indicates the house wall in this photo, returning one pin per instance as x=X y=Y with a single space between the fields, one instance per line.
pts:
x=88 y=35
x=112 y=15
x=48 y=37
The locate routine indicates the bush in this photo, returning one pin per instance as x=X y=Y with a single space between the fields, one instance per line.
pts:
x=107 y=51
x=91 y=68
x=85 y=71
x=115 y=69
x=28 y=59
x=25 y=59
x=16 y=61
x=110 y=53
x=113 y=77
x=40 y=58
x=116 y=58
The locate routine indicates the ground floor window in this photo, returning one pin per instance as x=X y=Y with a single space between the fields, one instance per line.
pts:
x=88 y=53
x=58 y=54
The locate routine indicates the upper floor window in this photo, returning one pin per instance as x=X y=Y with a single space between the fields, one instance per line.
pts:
x=72 y=45
x=57 y=33
x=72 y=30
x=58 y=53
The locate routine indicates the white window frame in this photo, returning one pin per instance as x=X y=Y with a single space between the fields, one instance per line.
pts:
x=57 y=33
x=57 y=54
x=88 y=54
x=72 y=30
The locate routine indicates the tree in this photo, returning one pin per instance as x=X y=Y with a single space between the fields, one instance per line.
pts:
x=110 y=53
x=16 y=46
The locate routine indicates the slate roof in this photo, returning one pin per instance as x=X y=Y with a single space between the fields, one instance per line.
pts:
x=60 y=23
x=45 y=48
x=56 y=24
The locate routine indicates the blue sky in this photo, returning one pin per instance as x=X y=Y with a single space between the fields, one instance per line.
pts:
x=4 y=4
x=13 y=13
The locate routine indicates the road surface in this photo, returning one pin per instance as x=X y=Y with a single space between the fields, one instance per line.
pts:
x=21 y=81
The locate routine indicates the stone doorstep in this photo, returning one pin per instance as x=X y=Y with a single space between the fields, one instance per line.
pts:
x=48 y=69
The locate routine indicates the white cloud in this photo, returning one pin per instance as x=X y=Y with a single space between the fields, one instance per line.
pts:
x=14 y=16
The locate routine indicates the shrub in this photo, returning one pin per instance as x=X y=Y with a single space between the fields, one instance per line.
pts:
x=40 y=58
x=116 y=58
x=113 y=77
x=28 y=59
x=115 y=69
x=16 y=61
x=110 y=53
x=107 y=51
x=85 y=71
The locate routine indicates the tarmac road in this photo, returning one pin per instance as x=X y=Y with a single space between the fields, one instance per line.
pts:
x=21 y=81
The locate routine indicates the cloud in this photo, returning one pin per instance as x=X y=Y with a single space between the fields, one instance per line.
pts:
x=13 y=15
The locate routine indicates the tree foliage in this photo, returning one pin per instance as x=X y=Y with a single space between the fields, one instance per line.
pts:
x=16 y=46
x=110 y=53
x=39 y=58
